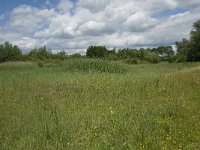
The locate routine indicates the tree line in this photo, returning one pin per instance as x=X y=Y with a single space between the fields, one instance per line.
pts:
x=154 y=55
x=187 y=50
x=9 y=52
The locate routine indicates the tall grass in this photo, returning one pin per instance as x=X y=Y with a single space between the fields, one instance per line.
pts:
x=95 y=65
x=146 y=107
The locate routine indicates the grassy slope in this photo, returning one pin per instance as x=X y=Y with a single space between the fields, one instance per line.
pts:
x=147 y=107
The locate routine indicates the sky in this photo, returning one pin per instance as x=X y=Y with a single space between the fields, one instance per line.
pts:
x=74 y=25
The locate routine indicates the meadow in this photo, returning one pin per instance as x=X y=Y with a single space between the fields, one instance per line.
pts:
x=96 y=104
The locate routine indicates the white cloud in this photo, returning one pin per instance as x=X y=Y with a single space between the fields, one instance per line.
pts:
x=158 y=5
x=26 y=43
x=140 y=22
x=94 y=28
x=93 y=5
x=65 y=5
x=188 y=4
x=127 y=23
x=28 y=18
x=172 y=29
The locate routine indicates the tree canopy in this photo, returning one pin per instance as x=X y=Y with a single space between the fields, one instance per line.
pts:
x=8 y=52
x=189 y=49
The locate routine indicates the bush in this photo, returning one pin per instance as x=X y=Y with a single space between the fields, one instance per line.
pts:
x=96 y=52
x=111 y=56
x=40 y=64
x=131 y=61
x=95 y=65
x=41 y=53
x=53 y=63
x=172 y=59
x=76 y=55
x=153 y=59
x=181 y=58
x=8 y=52
x=61 y=55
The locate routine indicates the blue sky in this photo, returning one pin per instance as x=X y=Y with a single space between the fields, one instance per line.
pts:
x=169 y=12
x=8 y=5
x=77 y=24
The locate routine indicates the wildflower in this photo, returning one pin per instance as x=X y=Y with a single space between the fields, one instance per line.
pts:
x=111 y=110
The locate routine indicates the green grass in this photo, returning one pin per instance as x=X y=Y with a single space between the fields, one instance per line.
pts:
x=81 y=105
x=98 y=65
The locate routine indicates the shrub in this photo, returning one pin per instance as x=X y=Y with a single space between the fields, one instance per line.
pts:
x=76 y=55
x=131 y=61
x=172 y=59
x=96 y=52
x=181 y=58
x=41 y=53
x=112 y=56
x=153 y=59
x=40 y=64
x=8 y=52
x=95 y=65
x=60 y=55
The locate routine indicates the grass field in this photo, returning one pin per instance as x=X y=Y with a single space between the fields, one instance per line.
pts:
x=95 y=104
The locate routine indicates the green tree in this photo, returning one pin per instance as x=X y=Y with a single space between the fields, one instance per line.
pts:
x=165 y=52
x=183 y=46
x=3 y=54
x=194 y=52
x=76 y=55
x=61 y=55
x=189 y=50
x=41 y=53
x=96 y=52
x=182 y=50
x=8 y=52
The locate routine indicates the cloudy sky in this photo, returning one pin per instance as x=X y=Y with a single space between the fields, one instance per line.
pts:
x=77 y=24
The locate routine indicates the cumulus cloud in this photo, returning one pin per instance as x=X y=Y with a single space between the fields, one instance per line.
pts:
x=65 y=5
x=114 y=23
x=26 y=43
x=172 y=29
x=140 y=22
x=30 y=19
x=93 y=5
x=188 y=4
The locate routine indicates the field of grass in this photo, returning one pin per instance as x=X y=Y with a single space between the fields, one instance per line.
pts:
x=95 y=104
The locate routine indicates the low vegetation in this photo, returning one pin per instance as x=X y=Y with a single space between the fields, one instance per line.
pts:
x=79 y=107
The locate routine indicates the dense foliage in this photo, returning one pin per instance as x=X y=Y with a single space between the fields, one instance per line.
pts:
x=8 y=52
x=96 y=52
x=189 y=49
x=132 y=56
x=127 y=55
